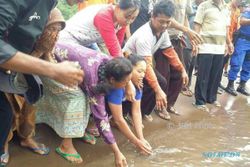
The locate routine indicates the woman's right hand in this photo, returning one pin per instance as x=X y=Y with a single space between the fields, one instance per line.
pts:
x=144 y=147
x=120 y=160
x=147 y=143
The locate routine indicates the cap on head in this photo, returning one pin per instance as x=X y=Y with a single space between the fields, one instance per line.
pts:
x=55 y=17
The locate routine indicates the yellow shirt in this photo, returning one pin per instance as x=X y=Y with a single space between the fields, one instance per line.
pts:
x=93 y=2
x=214 y=22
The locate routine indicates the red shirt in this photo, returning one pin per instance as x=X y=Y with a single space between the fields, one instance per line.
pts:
x=113 y=38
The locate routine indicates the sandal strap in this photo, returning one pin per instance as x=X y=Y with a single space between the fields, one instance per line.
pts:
x=89 y=137
x=40 y=147
x=2 y=158
x=163 y=114
x=65 y=155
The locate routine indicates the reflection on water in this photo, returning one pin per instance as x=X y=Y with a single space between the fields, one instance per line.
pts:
x=178 y=145
x=164 y=150
x=229 y=103
x=180 y=142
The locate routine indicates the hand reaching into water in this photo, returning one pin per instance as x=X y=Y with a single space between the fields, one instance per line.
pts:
x=144 y=147
x=120 y=160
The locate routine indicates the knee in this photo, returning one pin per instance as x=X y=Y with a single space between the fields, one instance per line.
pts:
x=163 y=83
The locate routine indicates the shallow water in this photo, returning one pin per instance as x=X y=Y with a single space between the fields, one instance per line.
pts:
x=182 y=141
x=179 y=142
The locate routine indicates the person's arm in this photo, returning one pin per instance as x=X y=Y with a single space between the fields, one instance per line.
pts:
x=65 y=72
x=143 y=47
x=229 y=45
x=97 y=107
x=193 y=36
x=116 y=110
x=199 y=18
x=120 y=160
x=244 y=21
x=174 y=60
x=137 y=118
x=114 y=99
x=130 y=91
x=150 y=76
x=8 y=18
x=12 y=59
x=109 y=36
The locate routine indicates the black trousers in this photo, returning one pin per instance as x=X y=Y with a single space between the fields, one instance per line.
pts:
x=208 y=78
x=169 y=80
x=148 y=100
x=6 y=116
x=190 y=63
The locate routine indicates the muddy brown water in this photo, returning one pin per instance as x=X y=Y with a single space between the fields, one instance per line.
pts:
x=183 y=141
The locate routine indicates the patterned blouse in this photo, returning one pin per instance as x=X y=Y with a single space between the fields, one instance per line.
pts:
x=89 y=61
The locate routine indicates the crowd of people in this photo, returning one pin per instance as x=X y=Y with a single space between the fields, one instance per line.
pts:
x=114 y=64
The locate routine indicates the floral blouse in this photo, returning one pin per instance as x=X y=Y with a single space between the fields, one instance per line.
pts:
x=89 y=60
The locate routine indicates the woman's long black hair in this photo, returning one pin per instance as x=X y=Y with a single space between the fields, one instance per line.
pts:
x=117 y=68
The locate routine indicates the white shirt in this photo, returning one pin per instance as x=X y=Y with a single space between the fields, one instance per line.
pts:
x=144 y=43
x=81 y=29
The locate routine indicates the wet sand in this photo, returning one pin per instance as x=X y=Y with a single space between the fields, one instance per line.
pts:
x=179 y=142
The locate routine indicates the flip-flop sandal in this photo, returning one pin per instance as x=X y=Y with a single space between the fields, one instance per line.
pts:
x=187 y=92
x=89 y=138
x=93 y=131
x=41 y=147
x=173 y=110
x=163 y=114
x=201 y=107
x=65 y=155
x=149 y=118
x=4 y=159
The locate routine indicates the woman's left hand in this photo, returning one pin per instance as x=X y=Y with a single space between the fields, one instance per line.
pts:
x=140 y=85
x=130 y=92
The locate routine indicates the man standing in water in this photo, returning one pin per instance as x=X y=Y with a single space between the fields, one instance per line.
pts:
x=211 y=21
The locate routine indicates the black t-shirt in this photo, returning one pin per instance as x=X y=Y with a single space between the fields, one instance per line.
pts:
x=21 y=23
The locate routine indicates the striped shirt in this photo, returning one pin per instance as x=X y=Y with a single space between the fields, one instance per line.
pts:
x=214 y=21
